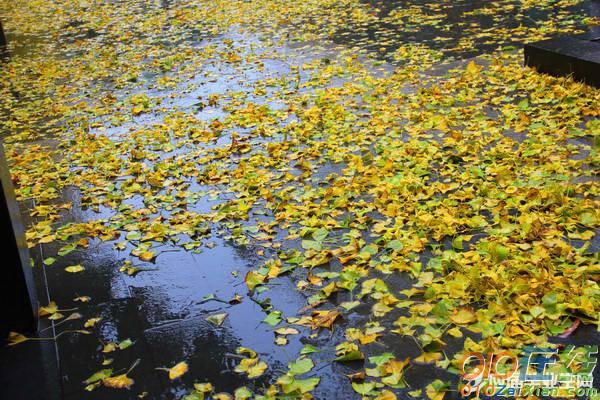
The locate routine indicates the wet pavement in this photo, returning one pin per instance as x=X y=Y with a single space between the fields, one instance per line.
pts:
x=163 y=307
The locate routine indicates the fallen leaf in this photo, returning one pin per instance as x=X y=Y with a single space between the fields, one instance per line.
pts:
x=217 y=319
x=74 y=269
x=118 y=382
x=178 y=370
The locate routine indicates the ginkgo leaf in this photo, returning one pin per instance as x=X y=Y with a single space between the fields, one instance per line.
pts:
x=125 y=344
x=109 y=347
x=56 y=316
x=324 y=318
x=91 y=322
x=308 y=349
x=290 y=384
x=436 y=390
x=428 y=357
x=246 y=351
x=242 y=393
x=386 y=395
x=281 y=341
x=217 y=319
x=287 y=331
x=147 y=256
x=348 y=351
x=253 y=367
x=273 y=318
x=16 y=338
x=118 y=382
x=133 y=235
x=253 y=279
x=237 y=299
x=257 y=370
x=74 y=268
x=50 y=309
x=463 y=316
x=98 y=376
x=300 y=366
x=364 y=389
x=203 y=387
x=177 y=370
x=49 y=261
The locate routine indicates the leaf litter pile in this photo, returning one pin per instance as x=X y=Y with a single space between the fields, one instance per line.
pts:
x=396 y=184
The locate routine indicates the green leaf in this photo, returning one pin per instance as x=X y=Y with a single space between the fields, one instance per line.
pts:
x=536 y=311
x=308 y=349
x=242 y=393
x=381 y=359
x=395 y=245
x=301 y=366
x=499 y=252
x=125 y=344
x=98 y=376
x=349 y=305
x=549 y=302
x=194 y=396
x=208 y=297
x=291 y=385
x=74 y=269
x=523 y=104
x=320 y=234
x=273 y=318
x=311 y=245
x=133 y=235
x=436 y=390
x=217 y=319
x=365 y=388
x=49 y=261
x=353 y=355
x=66 y=249
x=457 y=243
x=307 y=385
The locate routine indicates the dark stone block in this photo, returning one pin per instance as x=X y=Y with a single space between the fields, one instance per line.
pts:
x=17 y=292
x=578 y=56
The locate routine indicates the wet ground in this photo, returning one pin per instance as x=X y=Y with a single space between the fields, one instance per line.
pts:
x=163 y=308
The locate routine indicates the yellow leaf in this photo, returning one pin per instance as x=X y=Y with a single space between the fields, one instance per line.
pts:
x=245 y=364
x=473 y=68
x=50 y=309
x=324 y=318
x=91 y=322
x=118 y=382
x=178 y=370
x=463 y=316
x=16 y=338
x=386 y=395
x=287 y=331
x=203 y=387
x=56 y=316
x=147 y=256
x=281 y=341
x=74 y=268
x=257 y=370
x=427 y=358
x=455 y=332
x=109 y=347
